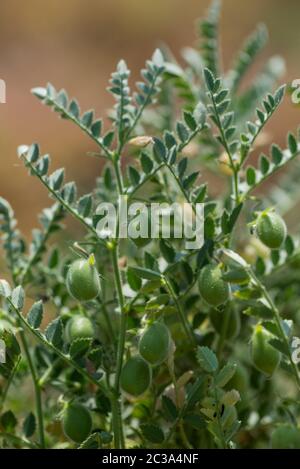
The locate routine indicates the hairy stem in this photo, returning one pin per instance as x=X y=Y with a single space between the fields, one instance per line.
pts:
x=184 y=321
x=38 y=397
x=8 y=383
x=235 y=169
x=117 y=401
x=120 y=349
x=222 y=337
x=222 y=441
x=277 y=319
x=68 y=360
x=48 y=373
x=23 y=442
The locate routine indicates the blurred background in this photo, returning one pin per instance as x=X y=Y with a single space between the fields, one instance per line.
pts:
x=76 y=44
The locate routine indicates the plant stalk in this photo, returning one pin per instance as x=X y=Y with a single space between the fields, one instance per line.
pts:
x=120 y=347
x=184 y=321
x=37 y=389
x=277 y=319
x=116 y=398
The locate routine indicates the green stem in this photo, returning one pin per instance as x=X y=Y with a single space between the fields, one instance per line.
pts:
x=45 y=235
x=182 y=189
x=193 y=134
x=108 y=323
x=145 y=179
x=35 y=380
x=18 y=441
x=71 y=117
x=184 y=438
x=234 y=168
x=9 y=381
x=142 y=107
x=222 y=439
x=288 y=156
x=121 y=342
x=277 y=319
x=116 y=419
x=117 y=169
x=254 y=137
x=68 y=360
x=117 y=399
x=123 y=317
x=235 y=179
x=48 y=373
x=176 y=423
x=184 y=321
x=106 y=315
x=222 y=337
x=60 y=199
x=38 y=397
x=161 y=165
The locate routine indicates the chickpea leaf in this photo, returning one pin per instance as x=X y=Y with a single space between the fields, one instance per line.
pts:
x=152 y=433
x=35 y=315
x=207 y=359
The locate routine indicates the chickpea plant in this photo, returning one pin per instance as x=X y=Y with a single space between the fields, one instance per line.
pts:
x=153 y=345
